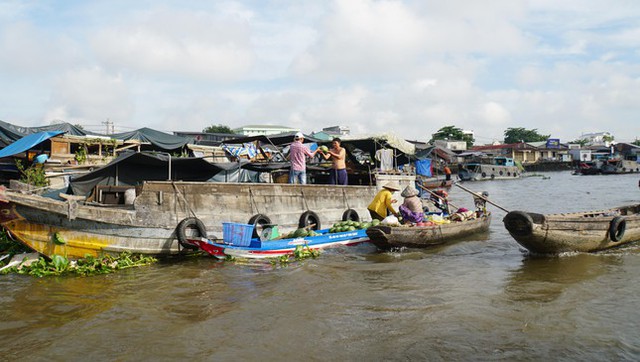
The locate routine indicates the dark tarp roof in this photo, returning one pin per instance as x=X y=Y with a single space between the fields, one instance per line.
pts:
x=132 y=168
x=276 y=139
x=10 y=133
x=27 y=142
x=159 y=139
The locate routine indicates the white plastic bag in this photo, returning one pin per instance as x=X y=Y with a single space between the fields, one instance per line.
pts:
x=390 y=220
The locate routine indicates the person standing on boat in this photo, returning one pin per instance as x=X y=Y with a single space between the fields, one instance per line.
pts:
x=338 y=173
x=381 y=207
x=297 y=155
x=411 y=209
x=447 y=173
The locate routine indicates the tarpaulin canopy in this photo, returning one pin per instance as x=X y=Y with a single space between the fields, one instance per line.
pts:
x=131 y=169
x=159 y=139
x=10 y=133
x=27 y=142
x=276 y=139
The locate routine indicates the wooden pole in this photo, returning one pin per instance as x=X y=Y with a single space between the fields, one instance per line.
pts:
x=436 y=195
x=478 y=195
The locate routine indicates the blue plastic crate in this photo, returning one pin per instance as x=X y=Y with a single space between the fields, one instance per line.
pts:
x=237 y=234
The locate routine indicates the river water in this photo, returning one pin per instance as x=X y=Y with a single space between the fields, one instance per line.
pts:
x=481 y=298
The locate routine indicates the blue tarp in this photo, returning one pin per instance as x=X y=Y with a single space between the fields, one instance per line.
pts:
x=27 y=142
x=423 y=167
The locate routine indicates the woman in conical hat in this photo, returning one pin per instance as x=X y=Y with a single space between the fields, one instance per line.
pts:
x=381 y=207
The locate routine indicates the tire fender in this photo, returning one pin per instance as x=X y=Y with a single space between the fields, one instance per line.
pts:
x=309 y=218
x=190 y=223
x=617 y=228
x=350 y=215
x=258 y=219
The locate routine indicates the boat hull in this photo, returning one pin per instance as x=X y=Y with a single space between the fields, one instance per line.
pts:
x=387 y=237
x=482 y=172
x=150 y=225
x=575 y=232
x=276 y=248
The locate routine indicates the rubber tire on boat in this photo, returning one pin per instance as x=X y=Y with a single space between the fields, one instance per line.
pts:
x=308 y=218
x=484 y=174
x=518 y=223
x=493 y=176
x=190 y=223
x=617 y=228
x=351 y=215
x=258 y=219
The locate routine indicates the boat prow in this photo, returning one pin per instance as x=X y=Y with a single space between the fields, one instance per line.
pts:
x=574 y=232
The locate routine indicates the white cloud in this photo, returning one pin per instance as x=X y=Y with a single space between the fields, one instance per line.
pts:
x=176 y=43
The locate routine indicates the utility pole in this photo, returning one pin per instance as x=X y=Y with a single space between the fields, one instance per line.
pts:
x=108 y=123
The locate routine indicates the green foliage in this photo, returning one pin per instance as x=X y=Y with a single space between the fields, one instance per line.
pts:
x=581 y=142
x=89 y=265
x=81 y=154
x=220 y=128
x=10 y=246
x=519 y=134
x=607 y=138
x=453 y=133
x=636 y=142
x=33 y=175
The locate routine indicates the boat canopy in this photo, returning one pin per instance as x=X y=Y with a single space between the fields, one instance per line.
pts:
x=10 y=133
x=132 y=168
x=161 y=140
x=27 y=142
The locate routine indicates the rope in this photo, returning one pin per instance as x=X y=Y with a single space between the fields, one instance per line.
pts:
x=186 y=203
x=305 y=200
x=346 y=200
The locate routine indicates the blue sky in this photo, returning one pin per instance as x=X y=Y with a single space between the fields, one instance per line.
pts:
x=410 y=67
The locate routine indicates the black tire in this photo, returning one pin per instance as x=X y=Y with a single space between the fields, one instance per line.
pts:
x=518 y=223
x=350 y=215
x=185 y=230
x=484 y=174
x=493 y=176
x=617 y=228
x=309 y=218
x=258 y=221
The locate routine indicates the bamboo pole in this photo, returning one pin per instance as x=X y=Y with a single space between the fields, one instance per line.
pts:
x=478 y=195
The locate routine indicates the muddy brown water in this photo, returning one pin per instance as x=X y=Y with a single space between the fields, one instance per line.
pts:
x=481 y=298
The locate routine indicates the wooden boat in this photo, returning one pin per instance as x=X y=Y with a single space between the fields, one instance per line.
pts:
x=581 y=231
x=274 y=248
x=434 y=182
x=387 y=237
x=139 y=213
x=497 y=168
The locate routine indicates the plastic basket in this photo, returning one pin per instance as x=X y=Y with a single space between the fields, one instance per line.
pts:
x=237 y=234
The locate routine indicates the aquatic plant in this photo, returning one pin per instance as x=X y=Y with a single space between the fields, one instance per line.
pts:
x=90 y=265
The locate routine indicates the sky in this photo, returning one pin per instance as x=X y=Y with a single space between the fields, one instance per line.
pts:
x=564 y=68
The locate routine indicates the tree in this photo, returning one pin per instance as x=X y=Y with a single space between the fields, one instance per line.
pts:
x=519 y=134
x=453 y=133
x=582 y=142
x=220 y=128
x=636 y=142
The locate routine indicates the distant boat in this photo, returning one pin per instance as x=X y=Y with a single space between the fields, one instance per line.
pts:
x=581 y=231
x=496 y=168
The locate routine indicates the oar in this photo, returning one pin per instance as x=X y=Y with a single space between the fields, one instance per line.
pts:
x=475 y=194
x=436 y=195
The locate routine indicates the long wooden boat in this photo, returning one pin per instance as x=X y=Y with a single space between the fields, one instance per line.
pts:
x=258 y=249
x=387 y=237
x=154 y=223
x=581 y=231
